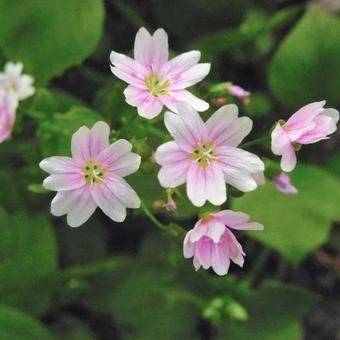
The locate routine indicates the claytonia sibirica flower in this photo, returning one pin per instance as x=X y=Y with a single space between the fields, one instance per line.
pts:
x=92 y=177
x=205 y=155
x=239 y=93
x=153 y=79
x=13 y=79
x=308 y=125
x=8 y=106
x=212 y=244
x=282 y=183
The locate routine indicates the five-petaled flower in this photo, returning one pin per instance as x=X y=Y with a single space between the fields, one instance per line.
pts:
x=12 y=79
x=154 y=80
x=282 y=183
x=205 y=155
x=8 y=106
x=92 y=177
x=212 y=244
x=308 y=125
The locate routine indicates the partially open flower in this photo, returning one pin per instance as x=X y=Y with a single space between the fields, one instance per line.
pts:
x=282 y=183
x=212 y=244
x=205 y=156
x=12 y=79
x=8 y=106
x=308 y=125
x=154 y=80
x=92 y=177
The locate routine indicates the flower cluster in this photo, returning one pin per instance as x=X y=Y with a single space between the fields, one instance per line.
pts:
x=205 y=156
x=14 y=86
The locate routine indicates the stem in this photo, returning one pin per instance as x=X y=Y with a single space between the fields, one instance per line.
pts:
x=130 y=14
x=75 y=272
x=261 y=140
x=152 y=218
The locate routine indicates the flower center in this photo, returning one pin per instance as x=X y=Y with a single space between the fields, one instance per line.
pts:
x=155 y=87
x=204 y=154
x=93 y=173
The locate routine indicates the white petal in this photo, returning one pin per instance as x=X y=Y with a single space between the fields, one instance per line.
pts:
x=99 y=138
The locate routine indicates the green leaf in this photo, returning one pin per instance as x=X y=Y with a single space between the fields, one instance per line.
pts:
x=50 y=36
x=55 y=134
x=308 y=57
x=158 y=310
x=15 y=324
x=27 y=252
x=295 y=225
x=275 y=310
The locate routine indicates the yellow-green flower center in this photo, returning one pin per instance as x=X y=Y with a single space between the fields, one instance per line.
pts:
x=93 y=173
x=204 y=154
x=156 y=87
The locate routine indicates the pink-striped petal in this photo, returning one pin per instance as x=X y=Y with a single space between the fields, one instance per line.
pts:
x=99 y=138
x=80 y=144
x=170 y=152
x=60 y=182
x=61 y=165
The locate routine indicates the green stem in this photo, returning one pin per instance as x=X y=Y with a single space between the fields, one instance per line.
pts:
x=130 y=14
x=75 y=272
x=261 y=140
x=152 y=218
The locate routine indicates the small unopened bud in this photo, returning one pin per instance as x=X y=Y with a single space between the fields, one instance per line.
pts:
x=156 y=205
x=239 y=93
x=170 y=205
x=218 y=101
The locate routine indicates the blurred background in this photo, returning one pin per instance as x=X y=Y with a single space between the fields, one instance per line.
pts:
x=106 y=280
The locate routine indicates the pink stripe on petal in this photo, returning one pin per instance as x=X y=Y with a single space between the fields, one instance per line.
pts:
x=108 y=203
x=60 y=182
x=64 y=201
x=219 y=123
x=112 y=153
x=180 y=131
x=196 y=185
x=173 y=174
x=143 y=47
x=170 y=152
x=180 y=64
x=135 y=96
x=150 y=107
x=80 y=144
x=61 y=165
x=215 y=185
x=99 y=138
x=123 y=192
x=193 y=122
x=82 y=210
x=160 y=49
x=190 y=77
x=185 y=96
x=125 y=165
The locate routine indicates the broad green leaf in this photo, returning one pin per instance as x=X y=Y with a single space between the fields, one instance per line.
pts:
x=275 y=310
x=305 y=66
x=295 y=225
x=27 y=252
x=14 y=324
x=55 y=134
x=50 y=36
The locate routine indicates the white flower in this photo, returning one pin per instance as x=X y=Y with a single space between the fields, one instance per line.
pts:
x=13 y=79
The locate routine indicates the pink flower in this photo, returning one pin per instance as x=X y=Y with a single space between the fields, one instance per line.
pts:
x=308 y=125
x=8 y=106
x=239 y=93
x=283 y=184
x=154 y=80
x=205 y=155
x=212 y=244
x=92 y=177
x=13 y=79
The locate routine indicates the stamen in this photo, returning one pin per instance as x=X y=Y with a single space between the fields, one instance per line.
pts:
x=93 y=173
